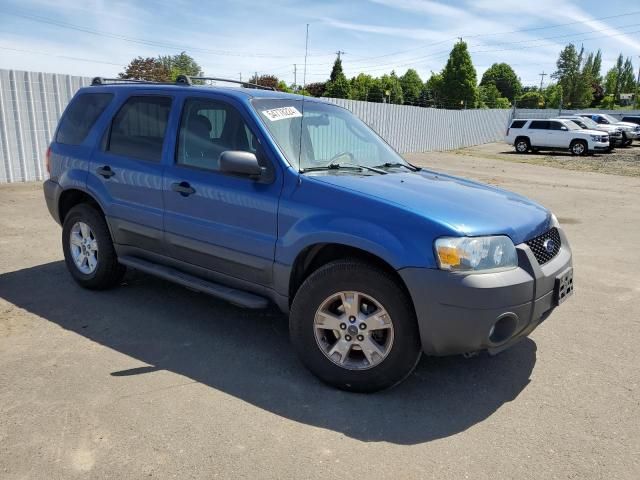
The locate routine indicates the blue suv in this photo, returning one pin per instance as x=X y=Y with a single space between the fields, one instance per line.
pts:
x=259 y=197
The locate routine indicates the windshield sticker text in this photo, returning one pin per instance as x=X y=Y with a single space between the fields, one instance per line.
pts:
x=281 y=113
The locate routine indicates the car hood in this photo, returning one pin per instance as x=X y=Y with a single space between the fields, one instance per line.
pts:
x=626 y=125
x=588 y=131
x=467 y=207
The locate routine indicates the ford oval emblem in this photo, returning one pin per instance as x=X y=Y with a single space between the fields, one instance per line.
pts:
x=549 y=245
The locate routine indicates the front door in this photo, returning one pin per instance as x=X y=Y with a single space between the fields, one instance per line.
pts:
x=226 y=224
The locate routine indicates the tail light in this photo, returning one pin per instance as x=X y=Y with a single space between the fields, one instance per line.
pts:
x=508 y=131
x=48 y=160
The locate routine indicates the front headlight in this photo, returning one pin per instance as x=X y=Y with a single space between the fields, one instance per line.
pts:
x=598 y=138
x=475 y=254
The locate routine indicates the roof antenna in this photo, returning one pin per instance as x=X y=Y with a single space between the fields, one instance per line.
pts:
x=304 y=86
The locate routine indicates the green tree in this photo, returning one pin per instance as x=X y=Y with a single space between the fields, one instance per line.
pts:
x=553 y=95
x=149 y=69
x=432 y=90
x=628 y=77
x=391 y=83
x=360 y=87
x=597 y=66
x=411 y=84
x=282 y=87
x=181 y=64
x=533 y=99
x=489 y=97
x=459 y=79
x=504 y=78
x=376 y=91
x=338 y=86
x=576 y=85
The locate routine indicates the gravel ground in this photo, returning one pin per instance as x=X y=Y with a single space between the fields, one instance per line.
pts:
x=153 y=380
x=622 y=161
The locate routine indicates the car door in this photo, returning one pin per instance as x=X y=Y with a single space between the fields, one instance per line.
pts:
x=558 y=134
x=538 y=133
x=226 y=224
x=126 y=172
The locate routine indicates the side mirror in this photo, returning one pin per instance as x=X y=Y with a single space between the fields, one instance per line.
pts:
x=237 y=162
x=564 y=128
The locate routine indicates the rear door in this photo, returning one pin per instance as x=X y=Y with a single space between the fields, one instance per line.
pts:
x=126 y=170
x=226 y=224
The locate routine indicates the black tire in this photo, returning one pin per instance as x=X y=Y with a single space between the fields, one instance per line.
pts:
x=579 y=147
x=354 y=275
x=108 y=272
x=626 y=141
x=522 y=145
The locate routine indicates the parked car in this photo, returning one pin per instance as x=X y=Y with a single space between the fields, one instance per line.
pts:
x=258 y=197
x=630 y=131
x=632 y=119
x=615 y=133
x=556 y=134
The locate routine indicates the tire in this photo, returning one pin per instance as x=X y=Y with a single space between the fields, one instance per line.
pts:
x=100 y=268
x=522 y=145
x=626 y=141
x=579 y=147
x=398 y=347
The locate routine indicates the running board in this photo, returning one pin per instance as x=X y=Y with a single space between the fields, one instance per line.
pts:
x=231 y=295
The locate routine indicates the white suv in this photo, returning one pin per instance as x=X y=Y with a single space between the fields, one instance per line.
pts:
x=630 y=131
x=556 y=134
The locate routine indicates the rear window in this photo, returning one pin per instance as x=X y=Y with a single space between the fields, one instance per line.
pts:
x=138 y=129
x=539 y=125
x=518 y=123
x=80 y=116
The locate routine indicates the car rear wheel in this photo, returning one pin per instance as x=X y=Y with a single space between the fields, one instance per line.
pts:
x=522 y=145
x=88 y=249
x=354 y=327
x=578 y=147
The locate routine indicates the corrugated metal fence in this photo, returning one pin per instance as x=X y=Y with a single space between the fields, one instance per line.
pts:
x=554 y=112
x=31 y=104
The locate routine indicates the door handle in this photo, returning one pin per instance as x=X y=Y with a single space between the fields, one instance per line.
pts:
x=105 y=171
x=183 y=188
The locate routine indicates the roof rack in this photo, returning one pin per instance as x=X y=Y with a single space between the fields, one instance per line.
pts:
x=180 y=80
x=187 y=80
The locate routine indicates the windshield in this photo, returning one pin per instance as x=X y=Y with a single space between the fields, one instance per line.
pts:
x=587 y=122
x=610 y=118
x=326 y=135
x=570 y=125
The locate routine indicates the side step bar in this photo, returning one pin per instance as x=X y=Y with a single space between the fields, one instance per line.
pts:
x=231 y=295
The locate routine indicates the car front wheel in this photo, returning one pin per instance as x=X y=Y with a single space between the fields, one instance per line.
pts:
x=354 y=327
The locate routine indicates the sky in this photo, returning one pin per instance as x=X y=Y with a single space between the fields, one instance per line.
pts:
x=236 y=38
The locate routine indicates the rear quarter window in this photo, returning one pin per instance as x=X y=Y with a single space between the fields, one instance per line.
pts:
x=518 y=123
x=80 y=116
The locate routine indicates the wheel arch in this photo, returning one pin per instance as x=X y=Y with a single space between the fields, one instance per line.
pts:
x=314 y=256
x=71 y=197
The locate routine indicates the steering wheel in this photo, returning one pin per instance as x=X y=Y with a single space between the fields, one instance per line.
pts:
x=342 y=154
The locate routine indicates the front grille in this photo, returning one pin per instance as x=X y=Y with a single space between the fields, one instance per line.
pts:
x=539 y=245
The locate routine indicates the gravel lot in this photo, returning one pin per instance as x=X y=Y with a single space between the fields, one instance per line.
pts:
x=622 y=161
x=153 y=380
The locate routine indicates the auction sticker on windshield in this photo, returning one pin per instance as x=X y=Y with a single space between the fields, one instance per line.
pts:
x=281 y=113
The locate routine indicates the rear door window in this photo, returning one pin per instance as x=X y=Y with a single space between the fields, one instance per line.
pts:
x=139 y=128
x=80 y=116
x=539 y=125
x=555 y=126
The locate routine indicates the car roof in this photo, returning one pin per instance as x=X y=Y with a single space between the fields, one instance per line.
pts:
x=235 y=92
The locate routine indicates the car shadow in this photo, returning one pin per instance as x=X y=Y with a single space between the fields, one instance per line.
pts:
x=554 y=153
x=247 y=354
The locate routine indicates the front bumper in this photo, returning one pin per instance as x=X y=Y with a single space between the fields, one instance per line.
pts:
x=599 y=146
x=456 y=312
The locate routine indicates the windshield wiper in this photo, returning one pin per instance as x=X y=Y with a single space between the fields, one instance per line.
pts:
x=408 y=166
x=343 y=166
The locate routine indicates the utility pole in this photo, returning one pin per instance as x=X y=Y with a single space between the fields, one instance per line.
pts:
x=256 y=77
x=240 y=76
x=340 y=52
x=637 y=100
x=295 y=76
x=542 y=75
